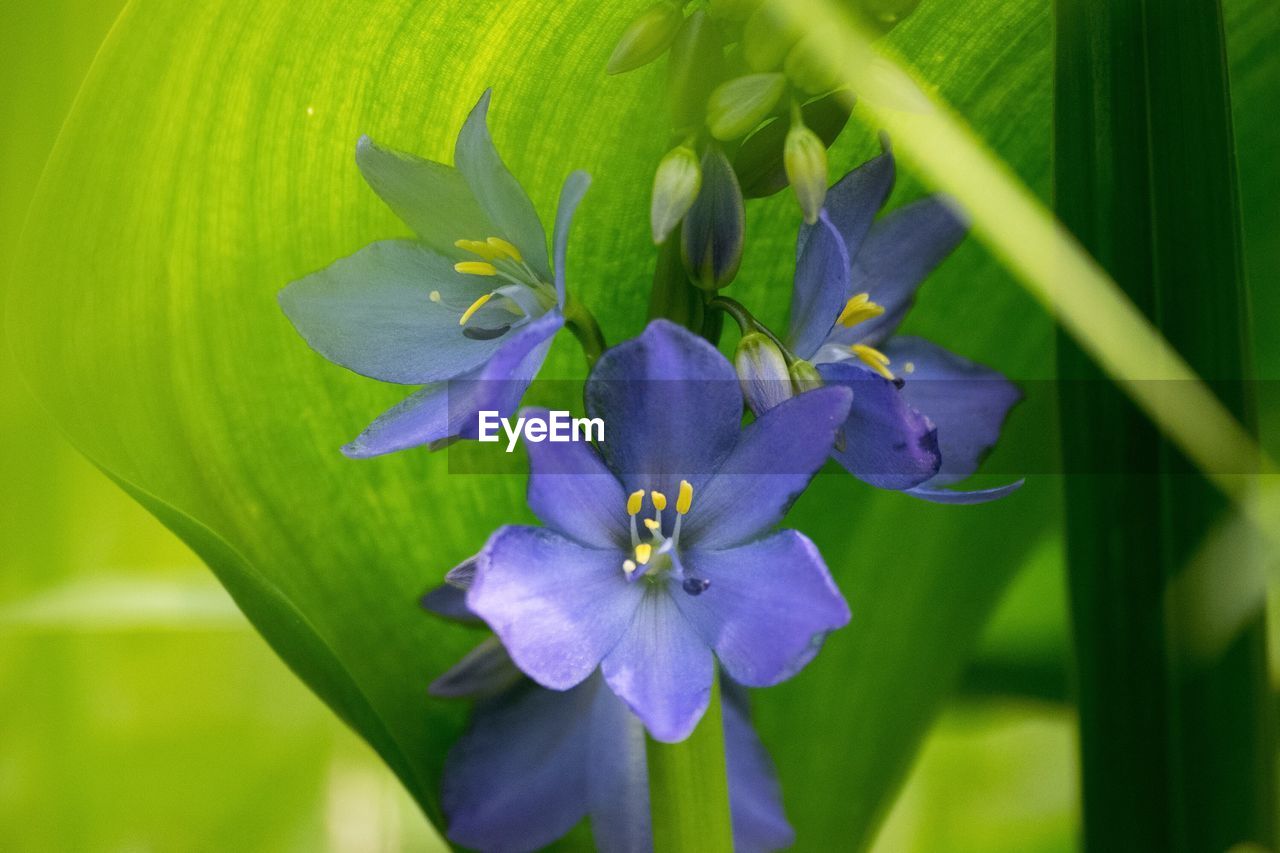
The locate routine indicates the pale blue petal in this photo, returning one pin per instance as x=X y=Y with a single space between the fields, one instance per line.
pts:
x=486 y=670
x=821 y=288
x=575 y=187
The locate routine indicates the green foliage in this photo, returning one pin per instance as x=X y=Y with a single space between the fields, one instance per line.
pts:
x=209 y=161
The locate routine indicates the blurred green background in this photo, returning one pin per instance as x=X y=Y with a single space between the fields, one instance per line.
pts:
x=140 y=711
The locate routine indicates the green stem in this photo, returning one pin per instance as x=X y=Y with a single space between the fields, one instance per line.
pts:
x=747 y=322
x=582 y=323
x=1176 y=749
x=688 y=788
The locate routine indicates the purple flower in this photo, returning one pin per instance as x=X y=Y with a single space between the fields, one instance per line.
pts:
x=474 y=298
x=534 y=762
x=656 y=558
x=922 y=417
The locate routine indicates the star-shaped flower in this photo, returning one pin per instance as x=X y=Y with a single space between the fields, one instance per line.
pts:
x=922 y=417
x=657 y=557
x=474 y=300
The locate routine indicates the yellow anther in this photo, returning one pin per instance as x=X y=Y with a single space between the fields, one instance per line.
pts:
x=628 y=566
x=634 y=501
x=435 y=296
x=685 y=500
x=478 y=247
x=501 y=247
x=643 y=552
x=652 y=524
x=859 y=308
x=659 y=500
x=475 y=306
x=475 y=268
x=873 y=358
x=909 y=367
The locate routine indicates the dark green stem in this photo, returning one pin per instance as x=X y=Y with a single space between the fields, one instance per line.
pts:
x=688 y=788
x=747 y=322
x=1176 y=747
x=582 y=323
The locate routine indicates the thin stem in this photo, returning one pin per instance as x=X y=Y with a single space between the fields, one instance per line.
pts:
x=689 y=789
x=582 y=323
x=747 y=322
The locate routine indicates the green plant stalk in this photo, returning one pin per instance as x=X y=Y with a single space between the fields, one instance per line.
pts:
x=1176 y=753
x=689 y=790
x=582 y=323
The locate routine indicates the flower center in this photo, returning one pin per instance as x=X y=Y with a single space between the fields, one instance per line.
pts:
x=859 y=309
x=523 y=298
x=659 y=556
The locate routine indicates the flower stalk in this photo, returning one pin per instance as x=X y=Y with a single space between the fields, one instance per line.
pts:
x=688 y=791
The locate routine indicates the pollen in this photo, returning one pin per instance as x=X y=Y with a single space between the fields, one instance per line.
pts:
x=652 y=523
x=909 y=367
x=435 y=296
x=659 y=500
x=502 y=248
x=634 y=501
x=873 y=358
x=859 y=308
x=629 y=566
x=643 y=552
x=478 y=247
x=475 y=268
x=474 y=307
x=685 y=499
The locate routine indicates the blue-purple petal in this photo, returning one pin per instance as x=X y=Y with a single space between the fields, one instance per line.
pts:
x=768 y=607
x=449 y=602
x=486 y=670
x=431 y=198
x=617 y=776
x=371 y=312
x=661 y=668
x=574 y=494
x=558 y=607
x=517 y=779
x=773 y=462
x=885 y=442
x=853 y=202
x=671 y=407
x=755 y=797
x=898 y=254
x=575 y=187
x=966 y=401
x=498 y=192
x=961 y=497
x=821 y=287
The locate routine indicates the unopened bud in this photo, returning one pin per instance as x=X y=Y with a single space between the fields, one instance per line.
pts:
x=714 y=228
x=675 y=187
x=693 y=68
x=646 y=38
x=765 y=40
x=736 y=107
x=886 y=14
x=762 y=372
x=808 y=70
x=804 y=376
x=805 y=159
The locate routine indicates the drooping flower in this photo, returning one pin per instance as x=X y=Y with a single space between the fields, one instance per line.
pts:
x=473 y=299
x=656 y=558
x=533 y=762
x=922 y=417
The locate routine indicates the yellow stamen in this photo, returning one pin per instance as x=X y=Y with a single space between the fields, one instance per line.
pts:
x=502 y=247
x=659 y=500
x=685 y=500
x=435 y=296
x=475 y=268
x=859 y=308
x=475 y=306
x=873 y=358
x=634 y=501
x=643 y=552
x=478 y=247
x=652 y=523
x=628 y=566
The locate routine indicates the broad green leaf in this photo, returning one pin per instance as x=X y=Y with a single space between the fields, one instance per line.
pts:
x=209 y=161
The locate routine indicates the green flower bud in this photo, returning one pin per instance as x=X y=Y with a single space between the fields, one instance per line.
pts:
x=886 y=14
x=693 y=69
x=808 y=71
x=765 y=41
x=804 y=376
x=736 y=107
x=646 y=38
x=675 y=186
x=805 y=159
x=715 y=227
x=762 y=372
